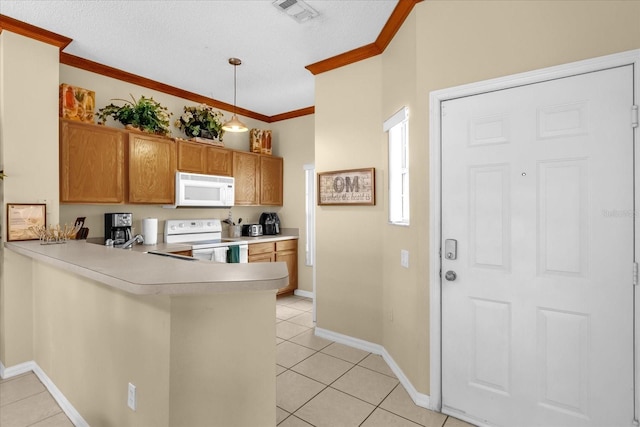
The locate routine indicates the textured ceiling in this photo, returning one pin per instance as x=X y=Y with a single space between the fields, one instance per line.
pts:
x=187 y=44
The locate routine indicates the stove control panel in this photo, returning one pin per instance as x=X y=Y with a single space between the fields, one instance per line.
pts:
x=191 y=226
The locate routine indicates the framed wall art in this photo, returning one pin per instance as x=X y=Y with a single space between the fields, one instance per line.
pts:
x=21 y=217
x=347 y=187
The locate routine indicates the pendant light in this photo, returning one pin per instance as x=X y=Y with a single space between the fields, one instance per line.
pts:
x=234 y=125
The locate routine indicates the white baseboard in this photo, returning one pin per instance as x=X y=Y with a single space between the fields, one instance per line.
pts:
x=65 y=405
x=419 y=399
x=301 y=293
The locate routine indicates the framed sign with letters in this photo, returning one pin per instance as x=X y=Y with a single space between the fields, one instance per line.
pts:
x=347 y=187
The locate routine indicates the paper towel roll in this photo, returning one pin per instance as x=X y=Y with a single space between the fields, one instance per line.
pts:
x=150 y=231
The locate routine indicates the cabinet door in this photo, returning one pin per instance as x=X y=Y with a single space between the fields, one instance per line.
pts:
x=152 y=167
x=191 y=157
x=271 y=180
x=246 y=171
x=91 y=163
x=219 y=161
x=261 y=258
x=291 y=258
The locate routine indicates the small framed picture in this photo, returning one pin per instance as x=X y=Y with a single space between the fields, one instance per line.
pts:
x=22 y=217
x=347 y=187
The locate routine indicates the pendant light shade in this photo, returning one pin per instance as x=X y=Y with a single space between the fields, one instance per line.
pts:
x=234 y=125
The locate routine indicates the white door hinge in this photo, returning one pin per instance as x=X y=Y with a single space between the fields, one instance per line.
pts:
x=635 y=274
x=634 y=116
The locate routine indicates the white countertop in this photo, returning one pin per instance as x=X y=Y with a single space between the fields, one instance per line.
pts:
x=145 y=274
x=287 y=234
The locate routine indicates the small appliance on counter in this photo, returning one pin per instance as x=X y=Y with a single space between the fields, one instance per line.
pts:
x=270 y=223
x=117 y=227
x=252 y=230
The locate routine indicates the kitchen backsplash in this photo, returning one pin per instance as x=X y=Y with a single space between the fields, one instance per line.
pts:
x=95 y=215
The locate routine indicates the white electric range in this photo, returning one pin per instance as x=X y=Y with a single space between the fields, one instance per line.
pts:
x=205 y=238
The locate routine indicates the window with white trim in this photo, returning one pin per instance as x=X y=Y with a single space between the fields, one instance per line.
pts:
x=397 y=127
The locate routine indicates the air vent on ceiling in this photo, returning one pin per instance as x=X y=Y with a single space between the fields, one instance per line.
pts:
x=297 y=9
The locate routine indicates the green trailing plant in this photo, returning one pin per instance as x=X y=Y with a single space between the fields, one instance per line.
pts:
x=145 y=114
x=201 y=121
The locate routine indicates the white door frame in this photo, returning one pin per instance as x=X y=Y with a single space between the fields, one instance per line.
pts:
x=435 y=102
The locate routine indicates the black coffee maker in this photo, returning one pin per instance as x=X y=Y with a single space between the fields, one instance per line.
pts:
x=270 y=223
x=117 y=227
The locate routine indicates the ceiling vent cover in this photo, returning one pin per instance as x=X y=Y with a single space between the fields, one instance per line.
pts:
x=297 y=9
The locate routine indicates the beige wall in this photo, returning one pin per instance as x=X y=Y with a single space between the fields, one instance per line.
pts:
x=92 y=340
x=193 y=359
x=294 y=140
x=441 y=44
x=29 y=153
x=348 y=238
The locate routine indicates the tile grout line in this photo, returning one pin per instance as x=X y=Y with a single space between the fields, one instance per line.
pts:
x=348 y=370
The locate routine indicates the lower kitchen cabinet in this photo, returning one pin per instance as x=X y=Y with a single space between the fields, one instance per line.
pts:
x=280 y=251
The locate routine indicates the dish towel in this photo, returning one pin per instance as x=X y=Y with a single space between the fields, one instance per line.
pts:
x=233 y=255
x=219 y=255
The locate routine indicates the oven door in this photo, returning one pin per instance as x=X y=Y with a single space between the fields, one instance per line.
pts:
x=219 y=253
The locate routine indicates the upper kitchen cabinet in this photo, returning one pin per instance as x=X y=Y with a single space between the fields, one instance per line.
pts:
x=152 y=168
x=91 y=163
x=200 y=158
x=258 y=179
x=271 y=180
x=246 y=171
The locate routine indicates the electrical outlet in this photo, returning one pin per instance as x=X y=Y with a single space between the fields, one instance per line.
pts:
x=131 y=397
x=404 y=258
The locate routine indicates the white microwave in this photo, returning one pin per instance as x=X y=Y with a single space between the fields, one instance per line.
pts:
x=197 y=190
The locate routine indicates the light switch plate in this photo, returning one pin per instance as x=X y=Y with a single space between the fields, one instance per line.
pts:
x=131 y=397
x=404 y=258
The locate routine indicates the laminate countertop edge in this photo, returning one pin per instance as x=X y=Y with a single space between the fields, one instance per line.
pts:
x=141 y=273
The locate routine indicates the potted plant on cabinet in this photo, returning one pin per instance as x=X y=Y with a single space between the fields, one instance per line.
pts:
x=201 y=122
x=144 y=114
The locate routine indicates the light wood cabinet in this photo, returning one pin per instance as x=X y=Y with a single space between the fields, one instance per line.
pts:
x=191 y=157
x=219 y=161
x=92 y=161
x=280 y=251
x=258 y=179
x=287 y=251
x=152 y=167
x=100 y=164
x=246 y=171
x=199 y=158
x=271 y=180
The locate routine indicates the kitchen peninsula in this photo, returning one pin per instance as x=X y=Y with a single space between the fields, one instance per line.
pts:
x=196 y=338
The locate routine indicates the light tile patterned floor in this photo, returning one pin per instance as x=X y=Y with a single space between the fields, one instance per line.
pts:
x=323 y=383
x=24 y=401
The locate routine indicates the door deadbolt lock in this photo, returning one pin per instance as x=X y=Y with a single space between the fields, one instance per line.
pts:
x=450 y=275
x=451 y=249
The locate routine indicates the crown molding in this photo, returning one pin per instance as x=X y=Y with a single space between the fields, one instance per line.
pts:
x=397 y=18
x=33 y=32
x=115 y=73
x=293 y=114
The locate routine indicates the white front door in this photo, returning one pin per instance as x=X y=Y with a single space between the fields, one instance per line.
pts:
x=537 y=191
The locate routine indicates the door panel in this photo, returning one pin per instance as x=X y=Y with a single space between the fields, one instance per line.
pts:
x=537 y=327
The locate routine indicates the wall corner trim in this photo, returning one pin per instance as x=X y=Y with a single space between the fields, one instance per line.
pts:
x=418 y=398
x=64 y=403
